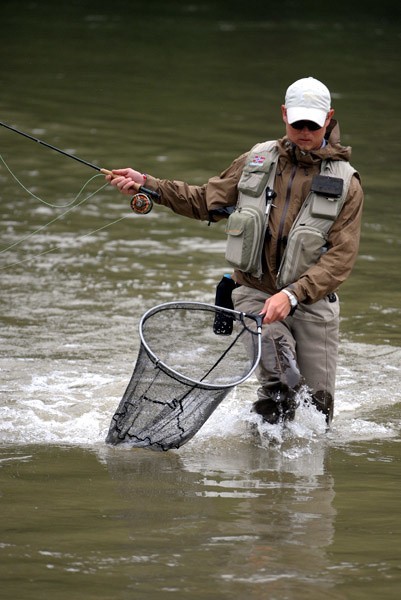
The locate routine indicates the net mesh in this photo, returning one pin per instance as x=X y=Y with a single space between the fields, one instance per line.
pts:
x=187 y=364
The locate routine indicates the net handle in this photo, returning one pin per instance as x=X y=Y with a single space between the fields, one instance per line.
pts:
x=239 y=316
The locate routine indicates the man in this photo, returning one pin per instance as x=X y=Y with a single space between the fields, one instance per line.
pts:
x=306 y=199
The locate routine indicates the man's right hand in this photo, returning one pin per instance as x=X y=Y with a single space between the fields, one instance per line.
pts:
x=127 y=181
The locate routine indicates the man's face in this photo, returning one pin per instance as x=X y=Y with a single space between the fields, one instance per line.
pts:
x=305 y=137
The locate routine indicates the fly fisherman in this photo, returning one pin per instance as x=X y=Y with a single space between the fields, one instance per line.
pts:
x=294 y=215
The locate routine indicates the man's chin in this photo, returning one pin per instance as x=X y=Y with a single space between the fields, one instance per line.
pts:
x=305 y=147
x=308 y=147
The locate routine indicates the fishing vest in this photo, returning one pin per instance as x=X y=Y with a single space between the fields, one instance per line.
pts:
x=307 y=240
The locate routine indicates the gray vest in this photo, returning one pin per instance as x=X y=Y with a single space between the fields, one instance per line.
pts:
x=246 y=226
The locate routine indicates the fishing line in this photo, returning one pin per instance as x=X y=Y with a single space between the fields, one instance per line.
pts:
x=24 y=260
x=142 y=189
x=29 y=235
x=74 y=204
x=13 y=175
x=141 y=203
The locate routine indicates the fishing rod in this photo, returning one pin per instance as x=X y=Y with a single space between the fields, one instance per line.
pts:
x=140 y=203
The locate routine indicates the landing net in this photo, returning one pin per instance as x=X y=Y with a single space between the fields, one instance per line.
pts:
x=186 y=366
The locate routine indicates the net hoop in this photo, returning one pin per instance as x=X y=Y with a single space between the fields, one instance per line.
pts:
x=238 y=316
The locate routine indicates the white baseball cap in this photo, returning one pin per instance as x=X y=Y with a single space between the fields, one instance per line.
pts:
x=307 y=100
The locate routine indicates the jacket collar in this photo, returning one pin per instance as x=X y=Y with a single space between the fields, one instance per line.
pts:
x=332 y=150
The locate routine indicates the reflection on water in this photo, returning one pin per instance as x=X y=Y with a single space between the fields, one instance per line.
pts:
x=224 y=520
x=169 y=526
x=179 y=90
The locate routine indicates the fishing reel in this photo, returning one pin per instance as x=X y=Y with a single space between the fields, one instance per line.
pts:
x=141 y=203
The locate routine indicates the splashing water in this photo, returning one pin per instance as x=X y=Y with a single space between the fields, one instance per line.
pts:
x=71 y=402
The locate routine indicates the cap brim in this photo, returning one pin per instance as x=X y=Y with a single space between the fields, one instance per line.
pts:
x=306 y=114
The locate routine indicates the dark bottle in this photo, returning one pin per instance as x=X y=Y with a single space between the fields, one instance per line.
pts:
x=223 y=322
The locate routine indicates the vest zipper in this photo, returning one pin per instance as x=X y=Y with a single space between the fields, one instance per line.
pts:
x=283 y=217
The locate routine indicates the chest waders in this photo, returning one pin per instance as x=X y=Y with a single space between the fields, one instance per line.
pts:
x=307 y=240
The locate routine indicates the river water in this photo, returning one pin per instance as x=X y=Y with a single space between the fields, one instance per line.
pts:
x=178 y=90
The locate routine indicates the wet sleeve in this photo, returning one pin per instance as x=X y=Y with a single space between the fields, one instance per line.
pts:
x=336 y=264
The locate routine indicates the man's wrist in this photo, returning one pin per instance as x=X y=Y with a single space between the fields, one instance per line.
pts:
x=292 y=298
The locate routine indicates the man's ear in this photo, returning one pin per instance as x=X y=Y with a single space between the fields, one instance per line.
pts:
x=330 y=114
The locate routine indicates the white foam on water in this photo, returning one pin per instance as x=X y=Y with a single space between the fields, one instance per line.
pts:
x=69 y=405
x=49 y=401
x=368 y=392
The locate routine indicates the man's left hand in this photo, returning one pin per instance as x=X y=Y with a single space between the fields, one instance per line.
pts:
x=276 y=308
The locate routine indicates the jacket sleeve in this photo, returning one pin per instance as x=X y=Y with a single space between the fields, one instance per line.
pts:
x=200 y=202
x=336 y=264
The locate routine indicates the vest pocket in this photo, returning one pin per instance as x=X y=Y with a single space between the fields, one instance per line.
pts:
x=325 y=208
x=252 y=183
x=304 y=248
x=245 y=234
